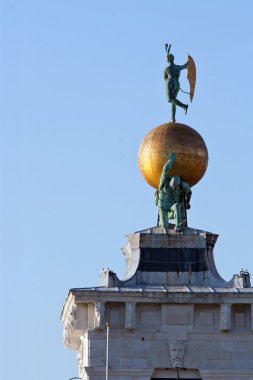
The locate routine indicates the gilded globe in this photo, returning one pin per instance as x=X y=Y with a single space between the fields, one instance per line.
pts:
x=190 y=148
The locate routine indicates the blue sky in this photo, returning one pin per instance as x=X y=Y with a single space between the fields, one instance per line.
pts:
x=81 y=85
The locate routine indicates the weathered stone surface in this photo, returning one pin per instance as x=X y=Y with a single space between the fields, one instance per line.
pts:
x=177 y=315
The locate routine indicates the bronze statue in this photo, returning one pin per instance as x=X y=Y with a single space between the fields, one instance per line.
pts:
x=173 y=197
x=172 y=75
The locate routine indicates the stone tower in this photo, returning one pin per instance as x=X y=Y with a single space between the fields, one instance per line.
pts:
x=172 y=316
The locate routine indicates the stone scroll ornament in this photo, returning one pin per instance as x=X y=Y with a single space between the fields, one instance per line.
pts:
x=172 y=85
x=69 y=326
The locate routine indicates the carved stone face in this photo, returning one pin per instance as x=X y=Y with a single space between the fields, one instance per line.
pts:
x=177 y=350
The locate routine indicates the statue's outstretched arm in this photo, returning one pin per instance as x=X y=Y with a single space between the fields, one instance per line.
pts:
x=171 y=158
x=182 y=67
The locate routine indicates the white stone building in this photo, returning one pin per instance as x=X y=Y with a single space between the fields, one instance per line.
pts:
x=171 y=317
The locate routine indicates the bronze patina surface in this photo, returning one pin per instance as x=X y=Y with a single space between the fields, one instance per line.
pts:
x=190 y=149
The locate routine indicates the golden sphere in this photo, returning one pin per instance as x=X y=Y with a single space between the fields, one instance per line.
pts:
x=190 y=148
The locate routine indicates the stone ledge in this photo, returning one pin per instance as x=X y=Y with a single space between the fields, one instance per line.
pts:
x=142 y=372
x=231 y=374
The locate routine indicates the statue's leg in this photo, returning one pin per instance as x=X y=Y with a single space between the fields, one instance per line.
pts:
x=171 y=99
x=163 y=217
x=173 y=112
x=182 y=105
x=177 y=215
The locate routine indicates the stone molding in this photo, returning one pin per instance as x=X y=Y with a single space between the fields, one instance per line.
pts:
x=92 y=315
x=229 y=374
x=195 y=294
x=114 y=372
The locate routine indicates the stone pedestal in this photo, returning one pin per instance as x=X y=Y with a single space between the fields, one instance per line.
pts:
x=172 y=314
